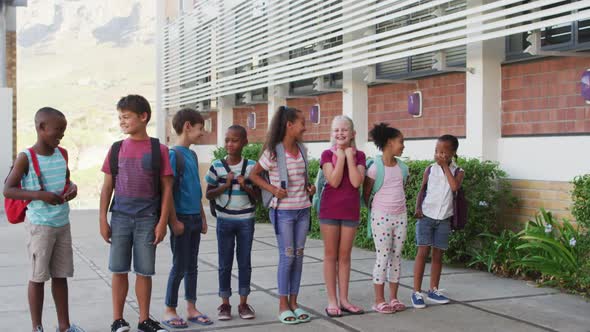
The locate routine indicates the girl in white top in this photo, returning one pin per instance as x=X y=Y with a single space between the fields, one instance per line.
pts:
x=434 y=210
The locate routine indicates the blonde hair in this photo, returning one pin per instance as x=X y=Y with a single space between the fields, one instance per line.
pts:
x=350 y=126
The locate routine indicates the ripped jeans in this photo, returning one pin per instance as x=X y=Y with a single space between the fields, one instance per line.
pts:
x=292 y=227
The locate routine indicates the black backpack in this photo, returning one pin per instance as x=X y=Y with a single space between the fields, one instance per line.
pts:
x=156 y=165
x=212 y=204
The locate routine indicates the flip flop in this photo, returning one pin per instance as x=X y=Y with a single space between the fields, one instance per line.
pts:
x=333 y=312
x=300 y=312
x=288 y=314
x=180 y=323
x=352 y=309
x=196 y=320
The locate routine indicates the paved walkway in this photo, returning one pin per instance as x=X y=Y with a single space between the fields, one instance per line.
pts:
x=481 y=301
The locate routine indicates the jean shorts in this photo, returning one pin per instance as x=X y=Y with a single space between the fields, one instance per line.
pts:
x=339 y=222
x=433 y=232
x=133 y=237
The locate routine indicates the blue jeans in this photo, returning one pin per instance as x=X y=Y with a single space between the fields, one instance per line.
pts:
x=292 y=227
x=133 y=237
x=185 y=250
x=229 y=233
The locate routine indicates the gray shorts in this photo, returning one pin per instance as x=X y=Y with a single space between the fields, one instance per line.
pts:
x=339 y=222
x=433 y=232
x=50 y=252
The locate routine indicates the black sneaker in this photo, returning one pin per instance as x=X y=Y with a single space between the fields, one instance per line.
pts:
x=120 y=325
x=149 y=325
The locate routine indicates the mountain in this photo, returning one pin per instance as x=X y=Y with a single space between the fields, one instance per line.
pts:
x=81 y=56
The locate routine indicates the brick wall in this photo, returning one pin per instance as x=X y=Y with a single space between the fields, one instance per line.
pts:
x=543 y=97
x=11 y=80
x=330 y=106
x=210 y=138
x=443 y=106
x=554 y=196
x=257 y=135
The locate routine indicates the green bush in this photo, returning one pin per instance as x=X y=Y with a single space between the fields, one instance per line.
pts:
x=559 y=251
x=581 y=200
x=498 y=253
x=486 y=189
x=250 y=151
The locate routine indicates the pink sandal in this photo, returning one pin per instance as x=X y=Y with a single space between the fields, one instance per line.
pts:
x=396 y=305
x=383 y=308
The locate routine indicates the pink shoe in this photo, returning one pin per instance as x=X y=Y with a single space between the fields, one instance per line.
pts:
x=383 y=308
x=396 y=305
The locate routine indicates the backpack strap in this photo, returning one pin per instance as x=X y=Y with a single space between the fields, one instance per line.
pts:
x=36 y=167
x=303 y=152
x=64 y=154
x=114 y=166
x=156 y=163
x=179 y=169
x=379 y=177
x=114 y=160
x=404 y=167
x=243 y=173
x=244 y=166
x=231 y=187
x=282 y=165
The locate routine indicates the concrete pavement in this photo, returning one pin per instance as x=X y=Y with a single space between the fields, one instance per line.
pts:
x=481 y=301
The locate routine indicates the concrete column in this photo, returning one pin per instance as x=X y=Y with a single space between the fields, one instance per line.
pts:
x=276 y=92
x=484 y=96
x=355 y=95
x=276 y=98
x=355 y=104
x=161 y=116
x=225 y=116
x=3 y=61
x=6 y=137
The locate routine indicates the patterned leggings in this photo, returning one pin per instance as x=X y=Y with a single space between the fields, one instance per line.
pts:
x=389 y=234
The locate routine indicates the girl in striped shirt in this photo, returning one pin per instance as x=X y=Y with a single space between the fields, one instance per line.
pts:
x=290 y=206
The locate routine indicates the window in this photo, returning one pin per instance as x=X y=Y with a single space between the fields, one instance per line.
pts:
x=254 y=96
x=564 y=37
x=421 y=64
x=305 y=87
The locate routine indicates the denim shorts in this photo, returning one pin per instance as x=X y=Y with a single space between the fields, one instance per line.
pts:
x=433 y=232
x=339 y=222
x=133 y=237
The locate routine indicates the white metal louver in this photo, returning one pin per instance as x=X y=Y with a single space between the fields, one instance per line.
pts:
x=216 y=49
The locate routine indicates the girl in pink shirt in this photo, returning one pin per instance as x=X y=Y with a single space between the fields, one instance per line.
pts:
x=388 y=216
x=344 y=170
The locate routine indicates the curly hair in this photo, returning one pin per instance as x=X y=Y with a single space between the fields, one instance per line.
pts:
x=382 y=132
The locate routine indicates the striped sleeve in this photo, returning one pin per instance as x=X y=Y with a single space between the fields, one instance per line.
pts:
x=211 y=176
x=265 y=161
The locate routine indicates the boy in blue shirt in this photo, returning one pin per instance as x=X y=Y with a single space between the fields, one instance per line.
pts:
x=187 y=220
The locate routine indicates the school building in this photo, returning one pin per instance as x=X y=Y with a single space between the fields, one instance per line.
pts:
x=507 y=77
x=8 y=84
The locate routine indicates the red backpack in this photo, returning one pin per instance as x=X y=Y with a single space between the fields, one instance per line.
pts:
x=16 y=209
